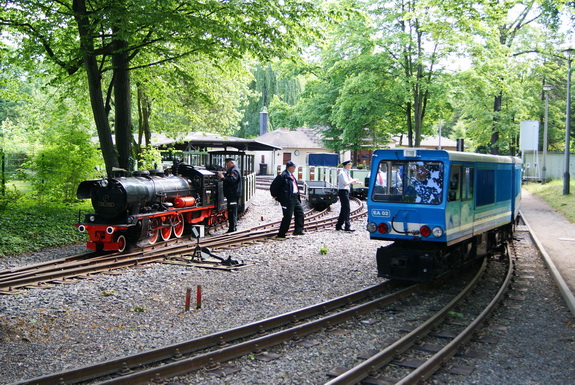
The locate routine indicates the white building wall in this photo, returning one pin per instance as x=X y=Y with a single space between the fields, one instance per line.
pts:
x=274 y=159
x=554 y=164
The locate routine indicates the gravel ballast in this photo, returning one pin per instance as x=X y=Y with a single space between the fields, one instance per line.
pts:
x=89 y=321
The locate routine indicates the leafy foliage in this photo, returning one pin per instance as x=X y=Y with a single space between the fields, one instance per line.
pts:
x=110 y=39
x=8 y=196
x=30 y=226
x=66 y=159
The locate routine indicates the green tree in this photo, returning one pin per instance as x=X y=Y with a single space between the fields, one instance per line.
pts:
x=508 y=42
x=63 y=162
x=107 y=39
x=379 y=72
x=275 y=93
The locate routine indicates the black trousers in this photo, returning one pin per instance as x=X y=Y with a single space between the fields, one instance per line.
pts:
x=343 y=218
x=293 y=208
x=232 y=215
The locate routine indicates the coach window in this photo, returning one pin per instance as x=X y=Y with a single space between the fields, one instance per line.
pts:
x=467 y=187
x=454 y=184
x=409 y=182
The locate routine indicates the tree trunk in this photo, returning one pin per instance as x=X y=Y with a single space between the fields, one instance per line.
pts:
x=123 y=110
x=144 y=133
x=495 y=133
x=95 y=86
x=409 y=125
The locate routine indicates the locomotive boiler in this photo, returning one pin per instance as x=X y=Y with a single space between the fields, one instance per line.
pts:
x=150 y=205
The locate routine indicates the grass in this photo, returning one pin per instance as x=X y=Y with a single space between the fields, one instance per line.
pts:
x=552 y=193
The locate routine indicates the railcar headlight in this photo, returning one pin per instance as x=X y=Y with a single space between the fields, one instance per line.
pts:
x=81 y=228
x=437 y=232
x=92 y=218
x=110 y=230
x=371 y=227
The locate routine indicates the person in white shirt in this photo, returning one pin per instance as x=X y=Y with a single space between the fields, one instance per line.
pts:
x=344 y=182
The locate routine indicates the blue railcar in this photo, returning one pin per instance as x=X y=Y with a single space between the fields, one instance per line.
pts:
x=440 y=208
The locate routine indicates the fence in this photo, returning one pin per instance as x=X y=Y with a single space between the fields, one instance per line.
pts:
x=11 y=164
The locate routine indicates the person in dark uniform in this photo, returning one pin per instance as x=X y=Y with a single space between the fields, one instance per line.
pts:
x=285 y=190
x=344 y=182
x=232 y=191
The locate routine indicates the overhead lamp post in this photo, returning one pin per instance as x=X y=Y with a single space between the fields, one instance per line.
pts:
x=546 y=89
x=569 y=52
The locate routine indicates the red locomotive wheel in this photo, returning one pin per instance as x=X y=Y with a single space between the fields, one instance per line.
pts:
x=121 y=243
x=166 y=230
x=154 y=232
x=178 y=224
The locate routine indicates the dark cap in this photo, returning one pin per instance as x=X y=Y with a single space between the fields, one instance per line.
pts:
x=290 y=164
x=346 y=162
x=230 y=160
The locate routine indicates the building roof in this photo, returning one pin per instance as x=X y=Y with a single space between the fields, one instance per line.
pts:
x=299 y=138
x=206 y=140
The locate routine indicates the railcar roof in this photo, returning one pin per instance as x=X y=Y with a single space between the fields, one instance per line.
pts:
x=427 y=154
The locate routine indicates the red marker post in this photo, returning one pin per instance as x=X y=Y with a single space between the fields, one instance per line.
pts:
x=199 y=297
x=188 y=298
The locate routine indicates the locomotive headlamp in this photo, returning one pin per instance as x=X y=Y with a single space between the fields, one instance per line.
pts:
x=371 y=227
x=110 y=230
x=92 y=218
x=81 y=228
x=104 y=182
x=437 y=232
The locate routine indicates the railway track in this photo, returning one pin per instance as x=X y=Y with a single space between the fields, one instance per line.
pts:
x=65 y=270
x=211 y=352
x=410 y=359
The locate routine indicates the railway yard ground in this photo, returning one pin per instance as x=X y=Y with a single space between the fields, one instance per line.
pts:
x=529 y=340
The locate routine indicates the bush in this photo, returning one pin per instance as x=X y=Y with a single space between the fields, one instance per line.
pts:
x=29 y=226
x=9 y=197
x=66 y=160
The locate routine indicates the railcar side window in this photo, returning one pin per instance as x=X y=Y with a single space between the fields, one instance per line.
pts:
x=467 y=185
x=409 y=182
x=454 y=179
x=485 y=182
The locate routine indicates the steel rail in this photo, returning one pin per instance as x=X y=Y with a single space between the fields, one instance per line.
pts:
x=73 y=267
x=384 y=357
x=435 y=362
x=126 y=365
x=295 y=332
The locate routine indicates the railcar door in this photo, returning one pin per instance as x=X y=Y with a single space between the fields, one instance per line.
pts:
x=467 y=204
x=453 y=208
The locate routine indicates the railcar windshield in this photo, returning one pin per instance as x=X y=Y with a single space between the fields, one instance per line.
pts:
x=409 y=182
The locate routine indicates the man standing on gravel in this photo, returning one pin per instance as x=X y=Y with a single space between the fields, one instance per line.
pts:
x=344 y=182
x=232 y=191
x=285 y=190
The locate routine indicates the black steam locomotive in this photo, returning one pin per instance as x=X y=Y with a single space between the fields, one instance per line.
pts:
x=150 y=205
